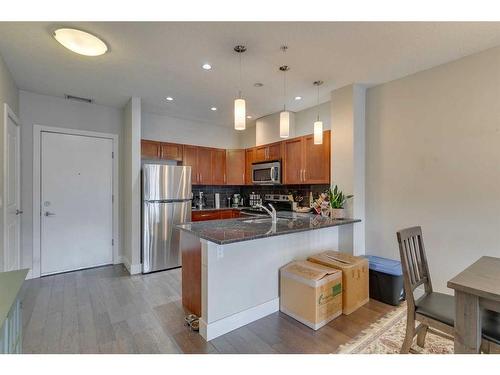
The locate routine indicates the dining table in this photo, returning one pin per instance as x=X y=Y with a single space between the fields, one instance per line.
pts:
x=476 y=288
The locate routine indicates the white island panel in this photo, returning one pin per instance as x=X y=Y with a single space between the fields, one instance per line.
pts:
x=240 y=281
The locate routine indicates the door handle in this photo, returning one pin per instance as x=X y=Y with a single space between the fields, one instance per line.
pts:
x=19 y=212
x=47 y=213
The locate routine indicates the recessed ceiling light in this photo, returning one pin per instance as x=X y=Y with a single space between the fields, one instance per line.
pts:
x=169 y=98
x=258 y=84
x=80 y=42
x=249 y=116
x=298 y=97
x=213 y=108
x=206 y=66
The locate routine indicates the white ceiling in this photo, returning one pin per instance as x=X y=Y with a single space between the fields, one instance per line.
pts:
x=155 y=60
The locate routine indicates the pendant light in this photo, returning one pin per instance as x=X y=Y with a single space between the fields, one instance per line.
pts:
x=239 y=103
x=284 y=115
x=318 y=125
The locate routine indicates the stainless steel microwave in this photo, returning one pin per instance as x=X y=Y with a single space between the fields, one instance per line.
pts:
x=266 y=173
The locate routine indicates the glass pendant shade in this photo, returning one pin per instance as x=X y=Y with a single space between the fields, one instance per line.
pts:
x=284 y=124
x=318 y=132
x=239 y=114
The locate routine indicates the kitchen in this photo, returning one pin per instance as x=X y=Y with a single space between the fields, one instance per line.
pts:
x=304 y=167
x=169 y=198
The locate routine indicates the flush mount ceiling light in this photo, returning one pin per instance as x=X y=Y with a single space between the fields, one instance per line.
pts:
x=284 y=115
x=249 y=117
x=213 y=109
x=169 y=98
x=80 y=42
x=206 y=66
x=318 y=125
x=298 y=98
x=239 y=103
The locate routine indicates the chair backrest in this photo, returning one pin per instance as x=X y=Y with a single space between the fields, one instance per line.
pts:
x=413 y=262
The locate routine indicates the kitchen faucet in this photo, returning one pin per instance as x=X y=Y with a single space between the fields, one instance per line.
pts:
x=271 y=212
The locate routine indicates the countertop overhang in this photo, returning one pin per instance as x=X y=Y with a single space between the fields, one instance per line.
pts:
x=223 y=232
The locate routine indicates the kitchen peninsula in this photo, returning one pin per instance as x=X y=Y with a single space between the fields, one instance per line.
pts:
x=231 y=267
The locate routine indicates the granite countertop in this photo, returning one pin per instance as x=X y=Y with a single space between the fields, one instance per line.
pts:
x=10 y=285
x=228 y=231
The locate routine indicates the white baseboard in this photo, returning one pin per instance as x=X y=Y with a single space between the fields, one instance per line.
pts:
x=132 y=269
x=29 y=275
x=225 y=325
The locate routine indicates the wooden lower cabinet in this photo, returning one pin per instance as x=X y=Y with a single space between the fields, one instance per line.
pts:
x=191 y=272
x=214 y=214
x=235 y=167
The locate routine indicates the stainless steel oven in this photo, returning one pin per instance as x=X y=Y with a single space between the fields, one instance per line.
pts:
x=266 y=173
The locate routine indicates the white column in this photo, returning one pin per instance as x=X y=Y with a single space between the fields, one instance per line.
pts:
x=348 y=160
x=132 y=186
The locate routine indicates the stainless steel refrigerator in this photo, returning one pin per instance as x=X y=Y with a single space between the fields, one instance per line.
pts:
x=166 y=202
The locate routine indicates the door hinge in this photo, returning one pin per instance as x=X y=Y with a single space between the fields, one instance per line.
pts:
x=113 y=198
x=112 y=155
x=112 y=242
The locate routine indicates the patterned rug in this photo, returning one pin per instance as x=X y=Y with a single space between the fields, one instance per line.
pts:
x=386 y=337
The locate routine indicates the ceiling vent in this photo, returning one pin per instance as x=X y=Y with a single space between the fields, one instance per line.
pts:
x=78 y=98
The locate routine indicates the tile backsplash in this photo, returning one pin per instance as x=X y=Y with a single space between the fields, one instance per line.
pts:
x=228 y=191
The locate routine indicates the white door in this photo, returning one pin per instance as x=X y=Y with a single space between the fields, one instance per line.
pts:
x=76 y=202
x=12 y=197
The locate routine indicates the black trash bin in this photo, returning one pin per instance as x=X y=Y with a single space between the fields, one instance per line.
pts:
x=386 y=280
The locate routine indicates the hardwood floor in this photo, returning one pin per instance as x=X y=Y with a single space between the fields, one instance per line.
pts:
x=105 y=310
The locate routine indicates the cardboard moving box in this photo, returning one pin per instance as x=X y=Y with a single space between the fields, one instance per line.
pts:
x=355 y=276
x=310 y=293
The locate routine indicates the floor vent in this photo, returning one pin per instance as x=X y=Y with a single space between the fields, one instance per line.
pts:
x=78 y=98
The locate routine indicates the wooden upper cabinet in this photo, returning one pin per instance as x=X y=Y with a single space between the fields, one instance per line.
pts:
x=268 y=152
x=249 y=159
x=306 y=163
x=235 y=167
x=274 y=151
x=316 y=163
x=171 y=151
x=204 y=166
x=260 y=154
x=218 y=167
x=150 y=149
x=292 y=163
x=190 y=158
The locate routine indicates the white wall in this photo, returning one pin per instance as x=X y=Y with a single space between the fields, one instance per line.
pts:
x=305 y=119
x=175 y=130
x=58 y=112
x=266 y=129
x=8 y=94
x=348 y=160
x=433 y=159
x=131 y=183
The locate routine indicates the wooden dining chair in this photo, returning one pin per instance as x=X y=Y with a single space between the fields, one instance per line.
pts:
x=434 y=311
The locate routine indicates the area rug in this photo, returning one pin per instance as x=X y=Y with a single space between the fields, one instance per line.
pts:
x=386 y=337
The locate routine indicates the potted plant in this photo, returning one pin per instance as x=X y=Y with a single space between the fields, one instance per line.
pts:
x=337 y=202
